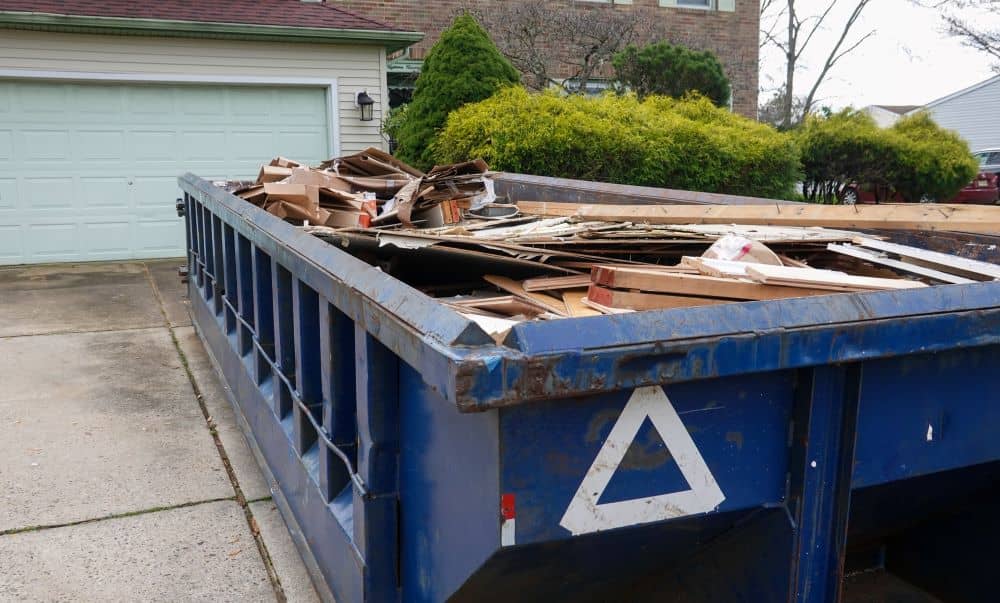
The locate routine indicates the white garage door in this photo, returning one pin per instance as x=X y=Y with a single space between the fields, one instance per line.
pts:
x=89 y=171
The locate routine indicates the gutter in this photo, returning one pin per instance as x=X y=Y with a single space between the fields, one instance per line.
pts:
x=392 y=40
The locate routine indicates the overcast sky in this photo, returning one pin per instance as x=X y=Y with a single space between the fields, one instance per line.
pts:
x=909 y=60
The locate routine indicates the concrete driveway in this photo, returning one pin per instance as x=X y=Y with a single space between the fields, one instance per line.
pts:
x=124 y=476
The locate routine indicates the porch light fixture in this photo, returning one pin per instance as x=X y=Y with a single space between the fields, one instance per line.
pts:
x=367 y=105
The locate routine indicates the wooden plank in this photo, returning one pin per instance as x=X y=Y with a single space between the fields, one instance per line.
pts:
x=556 y=306
x=717 y=268
x=910 y=216
x=546 y=208
x=869 y=256
x=696 y=284
x=604 y=309
x=550 y=283
x=812 y=277
x=787 y=261
x=632 y=300
x=944 y=261
x=575 y=306
x=505 y=304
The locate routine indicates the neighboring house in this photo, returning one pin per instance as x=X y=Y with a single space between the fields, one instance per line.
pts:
x=104 y=104
x=973 y=112
x=886 y=115
x=730 y=28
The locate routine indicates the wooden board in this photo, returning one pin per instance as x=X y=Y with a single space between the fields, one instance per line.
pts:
x=604 y=309
x=872 y=257
x=943 y=261
x=910 y=216
x=556 y=306
x=575 y=306
x=545 y=208
x=505 y=304
x=632 y=300
x=550 y=283
x=811 y=277
x=696 y=284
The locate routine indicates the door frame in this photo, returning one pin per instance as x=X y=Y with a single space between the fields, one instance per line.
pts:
x=329 y=85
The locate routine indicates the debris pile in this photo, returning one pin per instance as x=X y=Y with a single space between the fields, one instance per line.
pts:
x=499 y=262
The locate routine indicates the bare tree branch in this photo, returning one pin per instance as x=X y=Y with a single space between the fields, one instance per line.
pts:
x=799 y=36
x=557 y=45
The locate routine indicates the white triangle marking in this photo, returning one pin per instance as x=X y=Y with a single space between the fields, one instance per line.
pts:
x=584 y=515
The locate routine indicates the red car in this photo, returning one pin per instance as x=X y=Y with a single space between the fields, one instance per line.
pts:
x=983 y=190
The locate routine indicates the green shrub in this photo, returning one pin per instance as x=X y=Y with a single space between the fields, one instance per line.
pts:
x=662 y=68
x=393 y=122
x=931 y=161
x=463 y=66
x=685 y=144
x=840 y=149
x=914 y=157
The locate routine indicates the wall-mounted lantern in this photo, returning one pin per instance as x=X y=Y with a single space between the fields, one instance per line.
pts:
x=367 y=106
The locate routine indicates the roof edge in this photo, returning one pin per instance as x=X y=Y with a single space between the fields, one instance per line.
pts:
x=961 y=92
x=392 y=39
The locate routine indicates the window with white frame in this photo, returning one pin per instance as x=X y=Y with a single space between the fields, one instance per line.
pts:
x=725 y=6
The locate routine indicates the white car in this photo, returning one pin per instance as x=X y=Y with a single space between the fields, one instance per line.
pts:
x=989 y=160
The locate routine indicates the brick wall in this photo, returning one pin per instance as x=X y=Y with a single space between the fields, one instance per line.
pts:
x=731 y=35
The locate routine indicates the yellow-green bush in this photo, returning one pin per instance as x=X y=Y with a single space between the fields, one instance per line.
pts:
x=660 y=141
x=915 y=157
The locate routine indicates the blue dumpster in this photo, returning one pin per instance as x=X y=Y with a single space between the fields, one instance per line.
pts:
x=759 y=451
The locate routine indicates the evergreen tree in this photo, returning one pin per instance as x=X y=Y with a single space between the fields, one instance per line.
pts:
x=463 y=66
x=669 y=70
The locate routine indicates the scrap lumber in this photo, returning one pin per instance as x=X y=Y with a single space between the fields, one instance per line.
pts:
x=548 y=208
x=504 y=304
x=910 y=216
x=549 y=303
x=697 y=284
x=575 y=305
x=941 y=261
x=637 y=300
x=825 y=279
x=604 y=309
x=874 y=257
x=551 y=283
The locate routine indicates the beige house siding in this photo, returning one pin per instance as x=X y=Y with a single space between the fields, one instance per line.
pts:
x=354 y=67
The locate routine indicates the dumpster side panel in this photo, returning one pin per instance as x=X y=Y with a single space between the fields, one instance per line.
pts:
x=585 y=465
x=926 y=413
x=449 y=491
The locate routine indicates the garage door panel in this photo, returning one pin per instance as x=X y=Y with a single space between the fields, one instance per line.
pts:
x=89 y=171
x=99 y=145
x=150 y=101
x=51 y=242
x=150 y=191
x=6 y=96
x=205 y=144
x=45 y=145
x=158 y=237
x=49 y=193
x=252 y=103
x=200 y=102
x=8 y=193
x=104 y=193
x=6 y=145
x=307 y=144
x=153 y=145
x=98 y=100
x=43 y=99
x=253 y=144
x=105 y=240
x=10 y=244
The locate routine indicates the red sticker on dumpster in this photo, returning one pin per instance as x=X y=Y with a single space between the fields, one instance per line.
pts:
x=507 y=506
